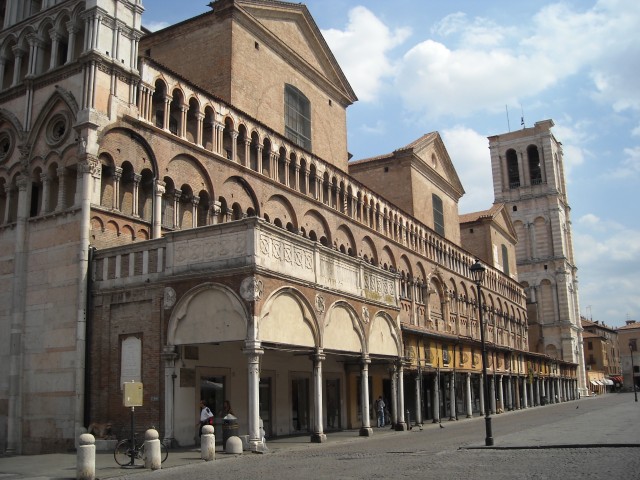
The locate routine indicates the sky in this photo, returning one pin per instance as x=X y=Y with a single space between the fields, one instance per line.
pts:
x=470 y=69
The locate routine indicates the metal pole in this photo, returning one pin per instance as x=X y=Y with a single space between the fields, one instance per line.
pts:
x=487 y=413
x=133 y=437
x=633 y=379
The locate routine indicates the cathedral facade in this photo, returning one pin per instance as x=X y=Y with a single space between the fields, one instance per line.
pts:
x=179 y=210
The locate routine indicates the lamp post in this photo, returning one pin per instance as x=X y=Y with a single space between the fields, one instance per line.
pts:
x=633 y=379
x=477 y=273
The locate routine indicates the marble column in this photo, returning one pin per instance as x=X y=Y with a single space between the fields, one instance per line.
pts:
x=318 y=435
x=365 y=429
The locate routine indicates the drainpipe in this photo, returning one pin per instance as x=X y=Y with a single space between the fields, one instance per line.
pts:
x=89 y=333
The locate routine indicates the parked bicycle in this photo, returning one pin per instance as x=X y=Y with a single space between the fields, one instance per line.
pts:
x=127 y=454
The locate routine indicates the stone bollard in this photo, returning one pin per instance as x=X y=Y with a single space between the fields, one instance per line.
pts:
x=86 y=457
x=234 y=445
x=207 y=444
x=152 y=455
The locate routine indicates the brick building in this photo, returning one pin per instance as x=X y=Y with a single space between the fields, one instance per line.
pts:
x=602 y=352
x=629 y=340
x=187 y=217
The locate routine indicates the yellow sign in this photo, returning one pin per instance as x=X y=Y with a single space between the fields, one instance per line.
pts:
x=132 y=394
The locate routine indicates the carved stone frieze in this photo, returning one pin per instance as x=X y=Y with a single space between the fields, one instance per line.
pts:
x=251 y=289
x=169 y=298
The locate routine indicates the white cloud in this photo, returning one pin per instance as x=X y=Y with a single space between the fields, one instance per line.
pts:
x=362 y=49
x=573 y=135
x=478 y=32
x=469 y=152
x=489 y=67
x=154 y=26
x=608 y=257
x=629 y=167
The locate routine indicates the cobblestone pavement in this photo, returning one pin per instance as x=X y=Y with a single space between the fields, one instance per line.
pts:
x=592 y=438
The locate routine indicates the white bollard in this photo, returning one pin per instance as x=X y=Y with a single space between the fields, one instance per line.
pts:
x=86 y=457
x=207 y=444
x=234 y=445
x=152 y=456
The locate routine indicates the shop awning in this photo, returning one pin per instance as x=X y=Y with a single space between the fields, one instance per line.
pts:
x=593 y=382
x=616 y=379
x=608 y=381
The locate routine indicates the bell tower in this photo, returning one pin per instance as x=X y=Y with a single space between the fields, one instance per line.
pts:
x=528 y=177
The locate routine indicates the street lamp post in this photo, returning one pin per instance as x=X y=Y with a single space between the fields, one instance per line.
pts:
x=477 y=273
x=633 y=379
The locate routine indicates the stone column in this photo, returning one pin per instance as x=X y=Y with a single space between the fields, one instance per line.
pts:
x=253 y=352
x=401 y=425
x=517 y=392
x=394 y=396
x=452 y=396
x=182 y=126
x=365 y=429
x=169 y=356
x=492 y=388
x=88 y=169
x=500 y=395
x=16 y=352
x=418 y=399
x=157 y=210
x=247 y=153
x=234 y=146
x=134 y=200
x=117 y=176
x=71 y=45
x=176 y=208
x=468 y=395
x=44 y=201
x=306 y=181
x=195 y=201
x=525 y=400
x=436 y=399
x=18 y=54
x=167 y=113
x=200 y=120
x=61 y=189
x=318 y=435
x=7 y=206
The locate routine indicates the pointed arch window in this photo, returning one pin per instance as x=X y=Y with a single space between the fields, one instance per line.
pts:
x=297 y=117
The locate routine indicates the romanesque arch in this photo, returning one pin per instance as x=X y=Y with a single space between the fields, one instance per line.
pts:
x=383 y=336
x=207 y=313
x=342 y=329
x=288 y=319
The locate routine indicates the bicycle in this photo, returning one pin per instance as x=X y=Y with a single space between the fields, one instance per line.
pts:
x=124 y=454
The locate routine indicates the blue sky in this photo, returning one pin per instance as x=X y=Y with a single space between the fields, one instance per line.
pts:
x=457 y=67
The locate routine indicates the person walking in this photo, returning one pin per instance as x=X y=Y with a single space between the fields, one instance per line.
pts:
x=206 y=416
x=380 y=411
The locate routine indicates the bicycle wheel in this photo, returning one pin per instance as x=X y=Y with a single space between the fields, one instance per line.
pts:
x=164 y=452
x=122 y=452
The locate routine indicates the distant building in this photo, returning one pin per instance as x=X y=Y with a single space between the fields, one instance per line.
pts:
x=528 y=178
x=629 y=339
x=602 y=350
